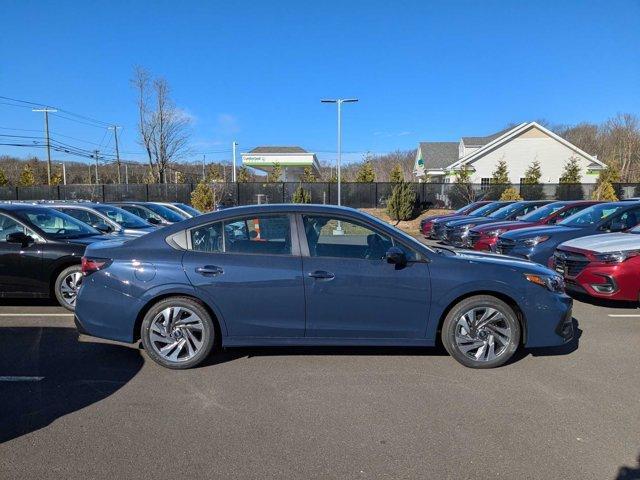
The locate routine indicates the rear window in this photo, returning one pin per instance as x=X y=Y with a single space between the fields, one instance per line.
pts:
x=267 y=235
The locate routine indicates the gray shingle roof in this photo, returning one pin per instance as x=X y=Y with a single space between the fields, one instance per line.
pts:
x=275 y=149
x=437 y=155
x=480 y=141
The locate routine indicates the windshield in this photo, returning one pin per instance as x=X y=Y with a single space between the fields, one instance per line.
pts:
x=487 y=209
x=165 y=212
x=188 y=209
x=507 y=211
x=122 y=217
x=56 y=224
x=542 y=212
x=591 y=215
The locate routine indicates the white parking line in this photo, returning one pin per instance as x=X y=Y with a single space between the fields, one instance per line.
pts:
x=20 y=379
x=624 y=315
x=36 y=314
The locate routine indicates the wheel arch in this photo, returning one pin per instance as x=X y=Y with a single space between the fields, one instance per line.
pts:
x=500 y=296
x=63 y=263
x=163 y=296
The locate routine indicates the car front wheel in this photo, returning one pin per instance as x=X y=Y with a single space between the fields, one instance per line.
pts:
x=177 y=333
x=481 y=332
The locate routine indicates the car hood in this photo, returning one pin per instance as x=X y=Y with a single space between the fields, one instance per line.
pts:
x=540 y=230
x=137 y=232
x=506 y=225
x=451 y=218
x=432 y=218
x=513 y=263
x=471 y=221
x=607 y=242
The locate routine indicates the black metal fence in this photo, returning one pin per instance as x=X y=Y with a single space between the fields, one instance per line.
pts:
x=358 y=195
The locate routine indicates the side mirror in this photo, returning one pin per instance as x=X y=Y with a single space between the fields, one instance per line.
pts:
x=153 y=221
x=617 y=226
x=396 y=256
x=20 y=237
x=103 y=227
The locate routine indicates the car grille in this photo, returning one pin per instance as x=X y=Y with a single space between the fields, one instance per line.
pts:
x=438 y=231
x=572 y=263
x=505 y=246
x=474 y=237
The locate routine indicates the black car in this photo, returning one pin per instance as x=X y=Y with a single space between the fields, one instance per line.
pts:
x=40 y=253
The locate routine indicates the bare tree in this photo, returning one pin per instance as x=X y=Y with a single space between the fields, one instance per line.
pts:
x=163 y=128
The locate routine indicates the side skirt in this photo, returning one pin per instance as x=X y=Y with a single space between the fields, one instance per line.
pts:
x=324 y=341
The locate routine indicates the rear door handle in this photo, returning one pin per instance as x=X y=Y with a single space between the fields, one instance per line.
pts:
x=209 y=270
x=321 y=274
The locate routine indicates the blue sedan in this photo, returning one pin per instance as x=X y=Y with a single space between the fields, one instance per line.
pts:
x=313 y=275
x=539 y=243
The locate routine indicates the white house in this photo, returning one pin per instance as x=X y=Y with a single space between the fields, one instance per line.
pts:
x=519 y=146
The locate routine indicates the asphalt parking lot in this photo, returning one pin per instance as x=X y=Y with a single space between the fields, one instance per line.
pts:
x=84 y=408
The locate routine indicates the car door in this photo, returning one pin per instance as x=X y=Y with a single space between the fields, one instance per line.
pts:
x=250 y=269
x=20 y=265
x=350 y=289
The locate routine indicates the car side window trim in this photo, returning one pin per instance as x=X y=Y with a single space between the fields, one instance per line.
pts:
x=295 y=244
x=304 y=244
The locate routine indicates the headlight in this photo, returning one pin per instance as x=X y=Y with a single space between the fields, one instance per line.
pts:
x=616 y=257
x=495 y=233
x=533 y=241
x=553 y=283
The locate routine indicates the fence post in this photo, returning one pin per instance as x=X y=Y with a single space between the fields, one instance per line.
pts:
x=146 y=193
x=283 y=186
x=237 y=184
x=17 y=192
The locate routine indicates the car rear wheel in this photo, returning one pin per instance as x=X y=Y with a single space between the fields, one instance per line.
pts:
x=66 y=286
x=481 y=332
x=177 y=333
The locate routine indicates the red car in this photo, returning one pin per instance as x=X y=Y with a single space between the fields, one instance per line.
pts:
x=427 y=222
x=603 y=266
x=485 y=236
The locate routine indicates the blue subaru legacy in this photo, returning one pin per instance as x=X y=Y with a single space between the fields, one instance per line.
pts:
x=313 y=275
x=539 y=243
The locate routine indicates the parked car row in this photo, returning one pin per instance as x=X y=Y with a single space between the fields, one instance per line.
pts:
x=594 y=245
x=41 y=245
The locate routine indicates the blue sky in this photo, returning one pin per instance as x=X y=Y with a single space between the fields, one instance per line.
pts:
x=255 y=71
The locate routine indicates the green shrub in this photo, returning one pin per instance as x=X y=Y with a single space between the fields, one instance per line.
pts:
x=402 y=202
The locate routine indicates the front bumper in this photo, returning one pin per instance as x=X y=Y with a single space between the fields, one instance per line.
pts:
x=608 y=282
x=549 y=319
x=485 y=244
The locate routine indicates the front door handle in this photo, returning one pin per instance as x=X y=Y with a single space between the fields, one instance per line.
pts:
x=209 y=270
x=321 y=274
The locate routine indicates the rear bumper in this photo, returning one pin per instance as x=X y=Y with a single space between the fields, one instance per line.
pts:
x=106 y=313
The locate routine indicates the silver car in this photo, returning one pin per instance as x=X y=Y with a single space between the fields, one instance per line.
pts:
x=106 y=218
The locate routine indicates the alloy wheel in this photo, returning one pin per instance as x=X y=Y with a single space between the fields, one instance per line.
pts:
x=482 y=334
x=69 y=288
x=176 y=334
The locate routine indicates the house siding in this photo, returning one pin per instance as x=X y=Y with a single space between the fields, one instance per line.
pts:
x=523 y=150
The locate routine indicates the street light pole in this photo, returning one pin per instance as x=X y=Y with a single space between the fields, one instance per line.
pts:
x=235 y=144
x=339 y=102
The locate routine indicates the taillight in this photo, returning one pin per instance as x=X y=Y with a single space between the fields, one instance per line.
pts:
x=91 y=265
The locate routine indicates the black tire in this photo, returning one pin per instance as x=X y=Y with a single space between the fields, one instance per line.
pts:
x=485 y=335
x=63 y=286
x=152 y=348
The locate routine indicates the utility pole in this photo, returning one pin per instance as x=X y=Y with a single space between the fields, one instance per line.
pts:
x=46 y=111
x=203 y=176
x=235 y=144
x=115 y=135
x=126 y=174
x=96 y=152
x=64 y=173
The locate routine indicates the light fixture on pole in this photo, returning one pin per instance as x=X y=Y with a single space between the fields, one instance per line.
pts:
x=339 y=102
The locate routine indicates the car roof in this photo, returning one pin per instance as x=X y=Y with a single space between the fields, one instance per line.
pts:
x=15 y=207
